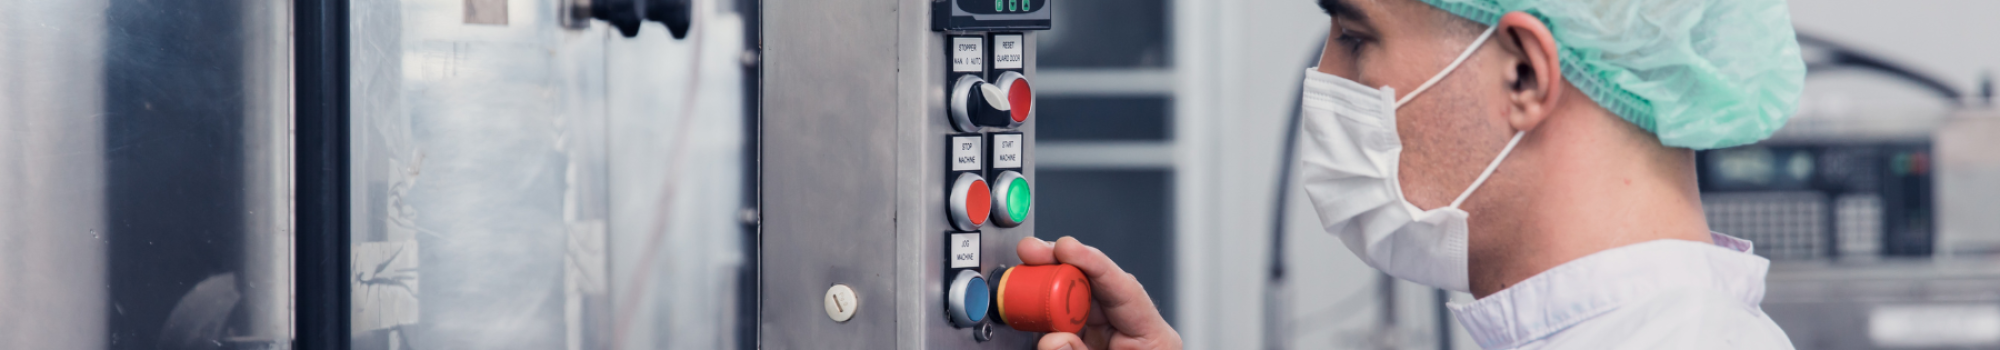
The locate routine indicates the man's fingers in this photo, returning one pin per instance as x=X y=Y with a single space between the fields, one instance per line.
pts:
x=1118 y=294
x=1109 y=283
x=1060 y=341
x=1035 y=251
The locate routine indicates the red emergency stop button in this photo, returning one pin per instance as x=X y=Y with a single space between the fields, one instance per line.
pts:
x=1044 y=298
x=971 y=202
x=1020 y=96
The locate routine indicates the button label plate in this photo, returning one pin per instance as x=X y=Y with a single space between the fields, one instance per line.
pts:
x=965 y=153
x=1007 y=151
x=965 y=250
x=1007 y=51
x=968 y=54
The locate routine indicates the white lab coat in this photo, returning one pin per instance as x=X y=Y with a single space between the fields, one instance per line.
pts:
x=1666 y=294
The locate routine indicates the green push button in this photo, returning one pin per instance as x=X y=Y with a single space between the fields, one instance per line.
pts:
x=1018 y=199
x=1012 y=197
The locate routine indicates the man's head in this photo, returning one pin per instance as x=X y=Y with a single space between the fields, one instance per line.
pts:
x=1612 y=96
x=1454 y=129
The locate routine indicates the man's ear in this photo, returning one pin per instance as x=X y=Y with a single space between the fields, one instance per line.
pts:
x=1536 y=75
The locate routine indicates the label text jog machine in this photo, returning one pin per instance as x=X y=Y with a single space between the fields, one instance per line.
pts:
x=896 y=174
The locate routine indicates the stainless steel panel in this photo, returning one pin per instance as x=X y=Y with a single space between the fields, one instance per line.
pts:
x=1968 y=181
x=829 y=171
x=1836 y=305
x=52 y=257
x=147 y=179
x=852 y=179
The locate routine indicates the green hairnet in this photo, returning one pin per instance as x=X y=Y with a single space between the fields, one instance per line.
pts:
x=1700 y=74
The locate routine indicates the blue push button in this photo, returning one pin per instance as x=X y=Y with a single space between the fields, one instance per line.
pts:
x=969 y=299
x=977 y=292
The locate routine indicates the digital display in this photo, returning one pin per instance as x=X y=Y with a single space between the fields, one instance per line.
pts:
x=1001 y=6
x=992 y=15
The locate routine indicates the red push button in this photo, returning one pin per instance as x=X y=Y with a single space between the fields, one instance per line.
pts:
x=1045 y=298
x=1020 y=96
x=971 y=202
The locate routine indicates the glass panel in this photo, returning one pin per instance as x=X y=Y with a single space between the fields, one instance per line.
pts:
x=1100 y=118
x=478 y=168
x=484 y=159
x=1107 y=34
x=1123 y=212
x=145 y=175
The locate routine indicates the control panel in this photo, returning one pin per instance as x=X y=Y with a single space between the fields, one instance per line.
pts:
x=989 y=103
x=989 y=99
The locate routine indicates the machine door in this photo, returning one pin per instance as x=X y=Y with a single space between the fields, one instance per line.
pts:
x=545 y=174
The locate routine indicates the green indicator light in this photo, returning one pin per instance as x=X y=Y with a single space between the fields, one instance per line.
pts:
x=1018 y=199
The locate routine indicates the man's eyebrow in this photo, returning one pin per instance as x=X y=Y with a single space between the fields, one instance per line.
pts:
x=1342 y=9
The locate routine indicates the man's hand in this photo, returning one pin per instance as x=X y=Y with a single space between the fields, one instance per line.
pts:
x=1122 y=316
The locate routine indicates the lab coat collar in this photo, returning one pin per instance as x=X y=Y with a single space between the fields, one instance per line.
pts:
x=1586 y=287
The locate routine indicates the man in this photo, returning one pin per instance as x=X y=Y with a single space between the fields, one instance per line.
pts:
x=1538 y=154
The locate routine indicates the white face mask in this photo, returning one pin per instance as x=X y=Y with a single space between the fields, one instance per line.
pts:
x=1348 y=168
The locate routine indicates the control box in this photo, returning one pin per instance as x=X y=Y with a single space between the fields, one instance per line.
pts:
x=897 y=173
x=957 y=15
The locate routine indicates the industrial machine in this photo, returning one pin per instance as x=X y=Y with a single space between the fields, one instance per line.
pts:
x=1844 y=187
x=801 y=175
x=551 y=174
x=1879 y=227
x=523 y=174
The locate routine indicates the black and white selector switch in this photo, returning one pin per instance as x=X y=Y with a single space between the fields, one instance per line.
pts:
x=975 y=102
x=972 y=98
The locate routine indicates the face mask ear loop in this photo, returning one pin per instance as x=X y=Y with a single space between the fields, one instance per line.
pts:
x=1489 y=169
x=1448 y=69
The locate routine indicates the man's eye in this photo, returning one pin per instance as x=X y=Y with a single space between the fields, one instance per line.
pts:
x=1349 y=41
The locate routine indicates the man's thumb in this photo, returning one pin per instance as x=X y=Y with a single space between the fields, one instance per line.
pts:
x=1061 y=341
